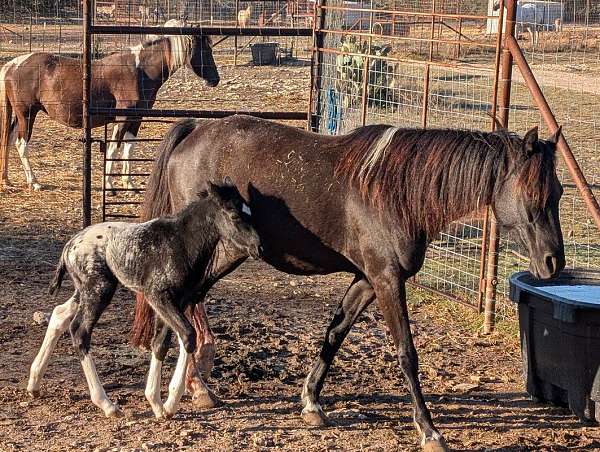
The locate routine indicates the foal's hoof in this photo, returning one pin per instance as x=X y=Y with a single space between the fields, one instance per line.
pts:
x=435 y=445
x=114 y=412
x=316 y=418
x=206 y=400
x=34 y=393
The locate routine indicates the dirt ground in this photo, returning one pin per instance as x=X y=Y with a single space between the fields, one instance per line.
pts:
x=269 y=328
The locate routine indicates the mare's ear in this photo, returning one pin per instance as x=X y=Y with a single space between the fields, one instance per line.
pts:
x=227 y=181
x=530 y=140
x=555 y=136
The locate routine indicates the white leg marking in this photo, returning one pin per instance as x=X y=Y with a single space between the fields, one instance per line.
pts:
x=97 y=393
x=152 y=392
x=59 y=322
x=309 y=405
x=127 y=152
x=177 y=384
x=24 y=155
x=111 y=153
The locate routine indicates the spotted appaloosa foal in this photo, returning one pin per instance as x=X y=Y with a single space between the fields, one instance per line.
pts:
x=167 y=259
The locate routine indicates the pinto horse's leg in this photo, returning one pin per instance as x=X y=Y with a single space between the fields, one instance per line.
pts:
x=177 y=384
x=160 y=347
x=25 y=121
x=390 y=291
x=358 y=296
x=58 y=324
x=130 y=134
x=112 y=153
x=94 y=300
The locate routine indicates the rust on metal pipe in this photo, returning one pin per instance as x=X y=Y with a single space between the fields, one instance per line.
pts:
x=494 y=241
x=486 y=218
x=565 y=150
x=210 y=114
x=410 y=13
x=313 y=59
x=425 y=109
x=199 y=31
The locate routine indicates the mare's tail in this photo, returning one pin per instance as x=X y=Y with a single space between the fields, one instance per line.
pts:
x=157 y=202
x=59 y=274
x=6 y=126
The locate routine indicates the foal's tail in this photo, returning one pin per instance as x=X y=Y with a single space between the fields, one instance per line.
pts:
x=157 y=202
x=59 y=274
x=5 y=127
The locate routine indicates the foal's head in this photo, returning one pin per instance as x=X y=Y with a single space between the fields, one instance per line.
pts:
x=527 y=202
x=233 y=217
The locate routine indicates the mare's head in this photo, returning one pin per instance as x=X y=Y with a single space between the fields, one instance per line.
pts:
x=527 y=202
x=233 y=217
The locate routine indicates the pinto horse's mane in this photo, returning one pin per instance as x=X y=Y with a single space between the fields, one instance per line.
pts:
x=439 y=175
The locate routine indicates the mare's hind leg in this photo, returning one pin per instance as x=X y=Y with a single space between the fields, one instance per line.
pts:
x=59 y=322
x=390 y=291
x=358 y=296
x=25 y=125
x=94 y=300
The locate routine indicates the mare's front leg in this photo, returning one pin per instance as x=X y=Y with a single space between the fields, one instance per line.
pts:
x=95 y=297
x=390 y=291
x=129 y=137
x=358 y=296
x=225 y=260
x=58 y=324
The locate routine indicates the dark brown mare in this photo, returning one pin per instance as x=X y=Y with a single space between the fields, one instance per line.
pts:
x=126 y=79
x=367 y=203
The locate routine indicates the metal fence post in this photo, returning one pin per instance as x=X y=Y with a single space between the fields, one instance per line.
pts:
x=87 y=130
x=494 y=236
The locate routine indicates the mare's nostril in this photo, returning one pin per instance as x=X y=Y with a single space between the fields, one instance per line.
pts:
x=551 y=263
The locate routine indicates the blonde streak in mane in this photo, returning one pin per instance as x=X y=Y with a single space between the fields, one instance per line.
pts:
x=376 y=153
x=181 y=51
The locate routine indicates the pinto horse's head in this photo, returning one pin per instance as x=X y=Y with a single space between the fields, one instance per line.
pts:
x=527 y=202
x=233 y=218
x=202 y=61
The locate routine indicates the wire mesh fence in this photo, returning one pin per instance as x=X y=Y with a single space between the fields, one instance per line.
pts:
x=434 y=64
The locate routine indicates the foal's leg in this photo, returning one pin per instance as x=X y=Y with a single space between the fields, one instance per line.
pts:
x=173 y=317
x=391 y=295
x=358 y=296
x=160 y=347
x=59 y=322
x=94 y=300
x=130 y=134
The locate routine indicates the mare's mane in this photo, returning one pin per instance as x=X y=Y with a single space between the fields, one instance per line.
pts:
x=426 y=178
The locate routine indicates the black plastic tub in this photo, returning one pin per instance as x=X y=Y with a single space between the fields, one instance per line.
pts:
x=264 y=53
x=560 y=339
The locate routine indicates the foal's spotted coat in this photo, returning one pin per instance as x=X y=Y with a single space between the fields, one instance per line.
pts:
x=167 y=259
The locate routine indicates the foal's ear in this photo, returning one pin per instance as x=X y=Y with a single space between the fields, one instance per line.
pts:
x=530 y=140
x=555 y=136
x=213 y=191
x=227 y=181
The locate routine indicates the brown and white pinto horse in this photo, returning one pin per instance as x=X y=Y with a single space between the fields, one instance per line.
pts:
x=126 y=79
x=367 y=203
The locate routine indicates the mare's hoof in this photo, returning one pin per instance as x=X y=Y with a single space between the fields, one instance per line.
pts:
x=435 y=445
x=114 y=412
x=316 y=418
x=206 y=400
